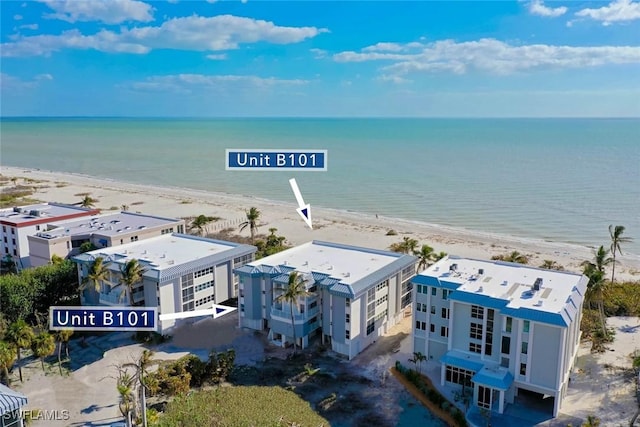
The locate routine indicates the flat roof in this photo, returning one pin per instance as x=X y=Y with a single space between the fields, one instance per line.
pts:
x=509 y=287
x=348 y=270
x=107 y=225
x=42 y=213
x=165 y=251
x=349 y=264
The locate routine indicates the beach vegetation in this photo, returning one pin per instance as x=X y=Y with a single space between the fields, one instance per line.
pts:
x=549 y=264
x=87 y=201
x=98 y=274
x=617 y=238
x=199 y=223
x=595 y=271
x=124 y=207
x=8 y=357
x=437 y=257
x=17 y=195
x=20 y=335
x=392 y=233
x=253 y=215
x=245 y=405
x=43 y=345
x=8 y=265
x=62 y=338
x=514 y=256
x=426 y=257
x=295 y=289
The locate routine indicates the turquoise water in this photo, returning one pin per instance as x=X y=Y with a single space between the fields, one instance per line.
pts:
x=561 y=180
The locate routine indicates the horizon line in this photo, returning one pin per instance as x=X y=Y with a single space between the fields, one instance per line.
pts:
x=310 y=117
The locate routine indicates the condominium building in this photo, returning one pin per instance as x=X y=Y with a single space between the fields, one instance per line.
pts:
x=65 y=238
x=20 y=222
x=499 y=327
x=355 y=295
x=181 y=273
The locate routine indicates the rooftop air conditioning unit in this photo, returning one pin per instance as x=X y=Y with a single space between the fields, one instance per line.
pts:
x=537 y=284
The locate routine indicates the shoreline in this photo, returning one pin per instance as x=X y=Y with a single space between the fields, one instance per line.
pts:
x=329 y=224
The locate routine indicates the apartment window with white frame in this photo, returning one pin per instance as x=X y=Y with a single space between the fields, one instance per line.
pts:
x=475 y=331
x=525 y=347
x=445 y=313
x=525 y=326
x=475 y=348
x=382 y=285
x=204 y=272
x=477 y=312
x=347 y=318
x=444 y=331
x=433 y=309
x=432 y=327
x=434 y=291
x=347 y=335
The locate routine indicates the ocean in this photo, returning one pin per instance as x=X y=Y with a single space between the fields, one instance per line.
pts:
x=560 y=180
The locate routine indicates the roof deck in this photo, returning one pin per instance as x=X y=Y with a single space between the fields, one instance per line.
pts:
x=40 y=213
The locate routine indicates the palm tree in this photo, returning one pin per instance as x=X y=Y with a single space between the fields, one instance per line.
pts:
x=88 y=201
x=20 y=335
x=252 y=222
x=124 y=208
x=514 y=256
x=419 y=359
x=125 y=386
x=43 y=345
x=295 y=289
x=592 y=421
x=200 y=222
x=616 y=239
x=425 y=257
x=98 y=273
x=439 y=256
x=595 y=290
x=602 y=259
x=62 y=337
x=7 y=359
x=131 y=274
x=56 y=259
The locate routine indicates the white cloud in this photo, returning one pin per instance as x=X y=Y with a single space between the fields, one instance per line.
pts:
x=17 y=17
x=107 y=11
x=319 y=53
x=489 y=55
x=29 y=27
x=188 y=83
x=537 y=8
x=217 y=56
x=195 y=33
x=616 y=11
x=9 y=83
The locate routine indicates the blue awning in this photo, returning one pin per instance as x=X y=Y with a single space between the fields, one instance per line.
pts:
x=494 y=378
x=11 y=400
x=459 y=362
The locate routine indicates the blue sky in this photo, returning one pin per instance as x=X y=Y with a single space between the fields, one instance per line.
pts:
x=259 y=58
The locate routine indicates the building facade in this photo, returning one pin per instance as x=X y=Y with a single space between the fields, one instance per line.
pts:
x=181 y=273
x=355 y=295
x=21 y=222
x=499 y=327
x=65 y=238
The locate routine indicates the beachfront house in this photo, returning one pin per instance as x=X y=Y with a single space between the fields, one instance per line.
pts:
x=181 y=273
x=11 y=404
x=503 y=329
x=20 y=222
x=355 y=295
x=103 y=231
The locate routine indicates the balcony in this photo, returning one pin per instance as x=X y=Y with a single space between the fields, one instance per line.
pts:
x=286 y=314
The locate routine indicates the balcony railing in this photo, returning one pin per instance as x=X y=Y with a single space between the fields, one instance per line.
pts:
x=286 y=314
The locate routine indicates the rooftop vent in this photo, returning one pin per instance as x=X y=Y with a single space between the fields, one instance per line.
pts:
x=34 y=213
x=306 y=263
x=537 y=284
x=453 y=267
x=505 y=283
x=330 y=267
x=142 y=227
x=127 y=228
x=480 y=289
x=481 y=271
x=347 y=274
x=16 y=209
x=539 y=303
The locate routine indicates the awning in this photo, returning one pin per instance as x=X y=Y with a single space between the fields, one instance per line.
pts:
x=460 y=361
x=11 y=400
x=496 y=378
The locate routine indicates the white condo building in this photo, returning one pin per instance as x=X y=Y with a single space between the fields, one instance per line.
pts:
x=499 y=327
x=64 y=239
x=181 y=273
x=19 y=223
x=356 y=294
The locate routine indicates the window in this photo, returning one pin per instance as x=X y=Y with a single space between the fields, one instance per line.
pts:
x=13 y=241
x=347 y=335
x=204 y=272
x=371 y=295
x=4 y=228
x=37 y=228
x=434 y=290
x=523 y=369
x=433 y=309
x=477 y=312
x=459 y=376
x=313 y=305
x=347 y=318
x=425 y=289
x=347 y=302
x=15 y=252
x=444 y=331
x=371 y=326
x=475 y=348
x=484 y=397
x=188 y=306
x=419 y=290
x=525 y=326
x=204 y=286
x=445 y=294
x=506 y=345
x=509 y=324
x=445 y=313
x=432 y=327
x=134 y=238
x=525 y=347
x=475 y=331
x=382 y=300
x=205 y=300
x=488 y=343
x=5 y=239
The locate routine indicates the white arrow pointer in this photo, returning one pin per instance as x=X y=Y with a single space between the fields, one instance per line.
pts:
x=303 y=210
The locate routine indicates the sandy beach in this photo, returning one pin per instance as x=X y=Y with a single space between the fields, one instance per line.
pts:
x=328 y=224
